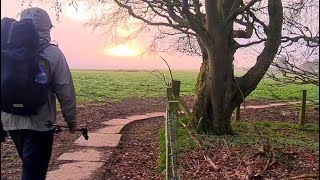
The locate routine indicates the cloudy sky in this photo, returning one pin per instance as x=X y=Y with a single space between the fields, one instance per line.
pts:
x=88 y=49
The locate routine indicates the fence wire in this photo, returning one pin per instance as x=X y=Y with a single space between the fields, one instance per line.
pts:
x=172 y=115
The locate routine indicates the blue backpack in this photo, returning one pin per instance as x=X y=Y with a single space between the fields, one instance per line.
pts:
x=24 y=84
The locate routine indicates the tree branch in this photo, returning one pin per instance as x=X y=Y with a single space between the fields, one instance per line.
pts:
x=252 y=78
x=175 y=17
x=197 y=25
x=240 y=10
x=251 y=43
x=131 y=13
x=309 y=40
x=292 y=73
x=247 y=34
x=255 y=19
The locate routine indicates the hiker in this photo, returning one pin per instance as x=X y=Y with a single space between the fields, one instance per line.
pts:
x=28 y=100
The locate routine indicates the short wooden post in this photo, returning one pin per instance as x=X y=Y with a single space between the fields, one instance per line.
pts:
x=238 y=114
x=173 y=93
x=176 y=88
x=303 y=108
x=169 y=94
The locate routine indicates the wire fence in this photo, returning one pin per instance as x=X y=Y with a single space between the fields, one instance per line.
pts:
x=171 y=130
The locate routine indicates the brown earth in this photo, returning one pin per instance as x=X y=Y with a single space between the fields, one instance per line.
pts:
x=136 y=156
x=91 y=115
x=238 y=163
x=287 y=113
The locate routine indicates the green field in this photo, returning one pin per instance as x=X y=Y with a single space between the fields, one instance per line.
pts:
x=98 y=86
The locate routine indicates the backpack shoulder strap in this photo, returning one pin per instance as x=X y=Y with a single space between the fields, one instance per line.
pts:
x=6 y=24
x=43 y=61
x=10 y=32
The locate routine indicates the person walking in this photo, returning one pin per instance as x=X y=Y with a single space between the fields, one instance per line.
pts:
x=33 y=74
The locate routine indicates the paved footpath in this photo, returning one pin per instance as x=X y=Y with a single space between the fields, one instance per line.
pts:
x=80 y=164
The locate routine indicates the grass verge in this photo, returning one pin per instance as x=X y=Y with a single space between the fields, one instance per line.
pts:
x=280 y=134
x=183 y=143
x=101 y=86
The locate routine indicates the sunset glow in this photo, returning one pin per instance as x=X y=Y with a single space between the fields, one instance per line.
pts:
x=78 y=12
x=123 y=50
x=113 y=50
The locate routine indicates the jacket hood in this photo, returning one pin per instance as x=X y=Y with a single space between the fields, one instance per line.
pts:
x=40 y=19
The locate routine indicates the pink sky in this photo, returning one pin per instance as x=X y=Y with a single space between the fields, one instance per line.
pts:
x=85 y=49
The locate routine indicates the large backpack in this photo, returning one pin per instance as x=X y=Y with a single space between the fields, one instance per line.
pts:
x=20 y=65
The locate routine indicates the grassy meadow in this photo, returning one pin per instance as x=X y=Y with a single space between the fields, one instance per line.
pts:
x=98 y=86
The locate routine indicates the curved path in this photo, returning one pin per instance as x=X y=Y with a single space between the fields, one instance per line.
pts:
x=81 y=164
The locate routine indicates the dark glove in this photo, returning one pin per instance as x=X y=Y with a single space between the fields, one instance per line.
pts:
x=72 y=126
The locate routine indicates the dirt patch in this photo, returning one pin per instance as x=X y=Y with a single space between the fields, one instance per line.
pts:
x=10 y=161
x=136 y=157
x=287 y=113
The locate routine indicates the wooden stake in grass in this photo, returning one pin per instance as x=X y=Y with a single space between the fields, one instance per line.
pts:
x=303 y=108
x=176 y=88
x=169 y=94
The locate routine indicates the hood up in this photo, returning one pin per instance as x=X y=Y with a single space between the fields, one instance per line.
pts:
x=40 y=19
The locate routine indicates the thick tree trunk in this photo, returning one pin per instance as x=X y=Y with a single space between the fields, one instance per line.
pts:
x=220 y=88
x=206 y=117
x=218 y=92
x=214 y=102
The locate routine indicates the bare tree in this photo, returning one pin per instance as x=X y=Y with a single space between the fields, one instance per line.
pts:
x=298 y=59
x=216 y=30
x=217 y=25
x=220 y=28
x=289 y=70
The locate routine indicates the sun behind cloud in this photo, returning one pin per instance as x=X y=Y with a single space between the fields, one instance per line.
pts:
x=123 y=50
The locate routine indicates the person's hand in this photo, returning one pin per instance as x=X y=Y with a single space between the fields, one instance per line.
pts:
x=72 y=127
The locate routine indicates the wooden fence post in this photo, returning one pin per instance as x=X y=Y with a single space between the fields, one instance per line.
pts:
x=303 y=108
x=173 y=121
x=238 y=114
x=173 y=93
x=176 y=88
x=168 y=167
x=169 y=94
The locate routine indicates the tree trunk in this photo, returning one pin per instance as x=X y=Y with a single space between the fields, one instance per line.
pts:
x=218 y=92
x=206 y=117
x=215 y=93
x=199 y=100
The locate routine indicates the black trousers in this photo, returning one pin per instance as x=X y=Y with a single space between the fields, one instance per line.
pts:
x=34 y=148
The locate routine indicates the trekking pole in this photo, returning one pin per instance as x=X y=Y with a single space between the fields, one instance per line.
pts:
x=58 y=129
